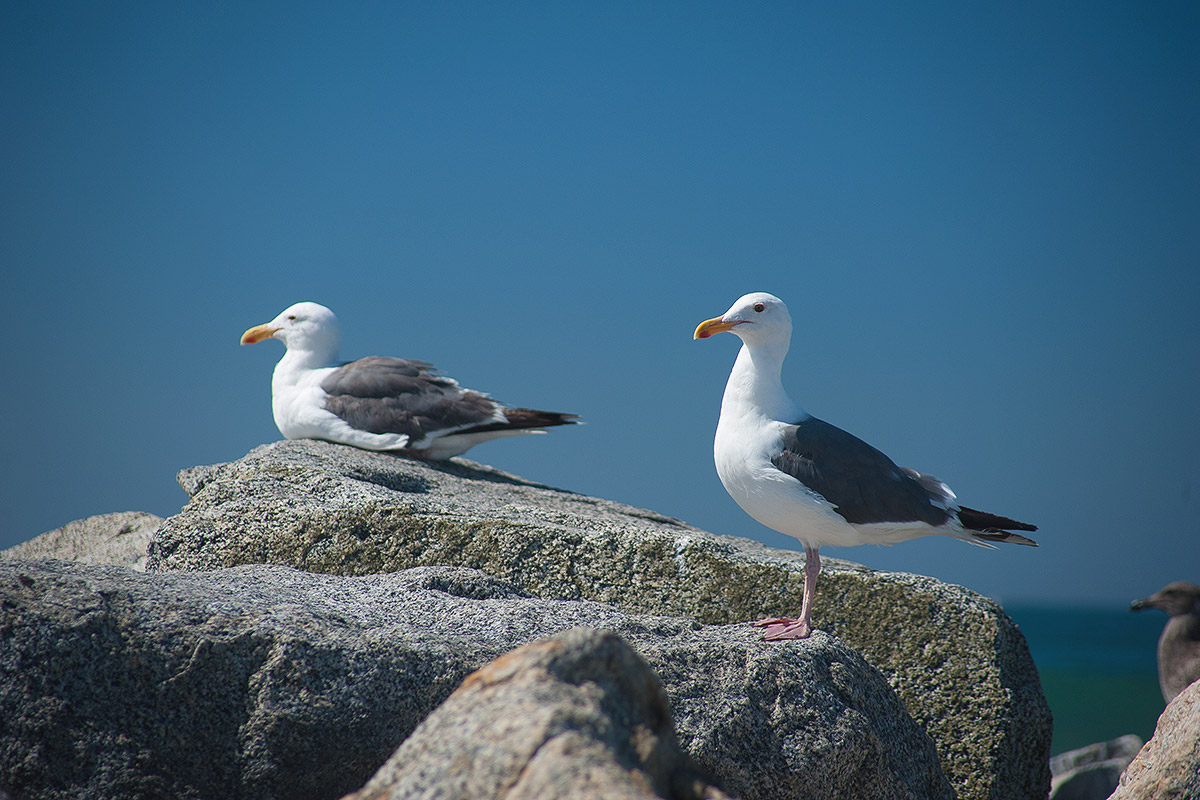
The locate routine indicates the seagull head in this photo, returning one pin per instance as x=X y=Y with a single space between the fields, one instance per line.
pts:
x=307 y=327
x=1175 y=598
x=756 y=318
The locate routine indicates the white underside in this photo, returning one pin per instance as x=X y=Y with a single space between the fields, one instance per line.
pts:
x=749 y=435
x=454 y=444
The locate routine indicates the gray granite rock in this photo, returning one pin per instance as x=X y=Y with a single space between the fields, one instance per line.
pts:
x=579 y=715
x=264 y=681
x=1168 y=767
x=1092 y=772
x=121 y=538
x=956 y=660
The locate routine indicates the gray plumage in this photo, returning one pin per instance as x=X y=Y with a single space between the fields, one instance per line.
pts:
x=1179 y=644
x=865 y=486
x=379 y=394
x=397 y=395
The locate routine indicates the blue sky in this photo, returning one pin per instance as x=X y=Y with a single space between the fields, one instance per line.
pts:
x=985 y=219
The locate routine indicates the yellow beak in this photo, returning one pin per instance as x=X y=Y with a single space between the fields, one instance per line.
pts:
x=258 y=333
x=715 y=325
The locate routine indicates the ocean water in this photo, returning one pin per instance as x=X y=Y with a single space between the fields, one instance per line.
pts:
x=1098 y=668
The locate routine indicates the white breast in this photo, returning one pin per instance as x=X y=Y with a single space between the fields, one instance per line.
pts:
x=298 y=404
x=742 y=453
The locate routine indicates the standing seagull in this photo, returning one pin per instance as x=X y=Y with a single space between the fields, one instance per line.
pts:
x=379 y=403
x=804 y=477
x=1179 y=645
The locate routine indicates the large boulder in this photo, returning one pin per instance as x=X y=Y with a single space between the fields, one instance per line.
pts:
x=577 y=715
x=120 y=538
x=264 y=682
x=955 y=659
x=1168 y=766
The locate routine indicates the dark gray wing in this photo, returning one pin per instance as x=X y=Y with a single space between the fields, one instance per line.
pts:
x=396 y=395
x=862 y=483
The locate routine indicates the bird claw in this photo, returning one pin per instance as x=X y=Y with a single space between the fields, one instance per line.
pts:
x=783 y=628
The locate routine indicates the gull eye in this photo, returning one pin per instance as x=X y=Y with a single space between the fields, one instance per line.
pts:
x=292 y=317
x=759 y=307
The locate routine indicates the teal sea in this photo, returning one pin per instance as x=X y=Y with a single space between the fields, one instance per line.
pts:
x=1098 y=669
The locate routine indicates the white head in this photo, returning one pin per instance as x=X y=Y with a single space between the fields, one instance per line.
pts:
x=304 y=327
x=759 y=319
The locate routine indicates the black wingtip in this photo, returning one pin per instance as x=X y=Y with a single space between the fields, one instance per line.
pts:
x=977 y=520
x=995 y=528
x=526 y=419
x=532 y=418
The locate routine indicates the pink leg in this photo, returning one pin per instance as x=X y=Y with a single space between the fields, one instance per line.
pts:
x=779 y=628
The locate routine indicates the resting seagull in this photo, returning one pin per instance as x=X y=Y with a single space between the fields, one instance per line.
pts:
x=805 y=478
x=1179 y=645
x=379 y=403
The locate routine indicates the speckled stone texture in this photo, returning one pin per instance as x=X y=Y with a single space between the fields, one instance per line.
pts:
x=955 y=659
x=1168 y=766
x=578 y=715
x=267 y=682
x=120 y=538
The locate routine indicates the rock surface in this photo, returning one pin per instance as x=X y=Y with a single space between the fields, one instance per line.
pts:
x=1092 y=772
x=959 y=664
x=122 y=538
x=264 y=682
x=579 y=715
x=1168 y=767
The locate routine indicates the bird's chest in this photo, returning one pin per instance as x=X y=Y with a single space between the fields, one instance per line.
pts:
x=298 y=402
x=742 y=452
